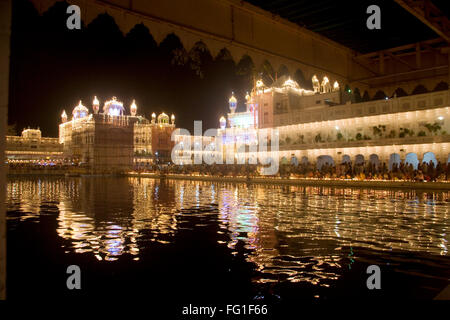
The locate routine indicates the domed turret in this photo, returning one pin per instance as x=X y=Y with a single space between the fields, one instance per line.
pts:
x=153 y=117
x=113 y=107
x=163 y=118
x=80 y=111
x=64 y=116
x=289 y=83
x=223 y=122
x=326 y=86
x=233 y=103
x=172 y=118
x=336 y=86
x=133 y=108
x=316 y=84
x=95 y=105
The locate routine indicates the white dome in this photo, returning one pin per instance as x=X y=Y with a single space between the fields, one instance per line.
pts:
x=113 y=107
x=80 y=111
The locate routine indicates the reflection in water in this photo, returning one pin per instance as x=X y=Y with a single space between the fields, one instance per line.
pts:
x=296 y=234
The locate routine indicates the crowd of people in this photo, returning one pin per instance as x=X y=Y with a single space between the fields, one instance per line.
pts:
x=369 y=171
x=362 y=171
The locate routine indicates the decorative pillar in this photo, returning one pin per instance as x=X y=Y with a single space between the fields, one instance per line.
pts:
x=5 y=33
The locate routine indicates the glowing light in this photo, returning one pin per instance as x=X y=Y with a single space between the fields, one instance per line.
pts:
x=113 y=107
x=95 y=102
x=259 y=84
x=247 y=97
x=153 y=115
x=232 y=99
x=133 y=108
x=290 y=83
x=337 y=127
x=336 y=85
x=440 y=118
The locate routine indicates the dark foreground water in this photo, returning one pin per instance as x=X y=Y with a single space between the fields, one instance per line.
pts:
x=183 y=242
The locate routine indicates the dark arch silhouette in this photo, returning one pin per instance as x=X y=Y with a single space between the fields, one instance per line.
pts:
x=441 y=86
x=419 y=89
x=282 y=71
x=399 y=92
x=140 y=39
x=301 y=80
x=224 y=54
x=357 y=95
x=245 y=66
x=379 y=95
x=267 y=73
x=365 y=96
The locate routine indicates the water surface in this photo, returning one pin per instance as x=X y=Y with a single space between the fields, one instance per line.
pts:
x=185 y=241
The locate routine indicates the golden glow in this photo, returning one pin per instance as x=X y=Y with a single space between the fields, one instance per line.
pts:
x=259 y=83
x=336 y=85
x=290 y=83
x=95 y=102
x=232 y=99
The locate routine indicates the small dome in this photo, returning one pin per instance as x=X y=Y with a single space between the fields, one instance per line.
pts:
x=290 y=83
x=163 y=118
x=133 y=108
x=223 y=122
x=80 y=111
x=95 y=102
x=259 y=84
x=232 y=99
x=113 y=107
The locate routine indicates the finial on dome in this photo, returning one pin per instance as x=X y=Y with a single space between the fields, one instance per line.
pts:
x=232 y=102
x=223 y=122
x=133 y=108
x=95 y=104
x=64 y=116
x=336 y=85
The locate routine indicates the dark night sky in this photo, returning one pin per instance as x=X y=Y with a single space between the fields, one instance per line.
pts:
x=52 y=68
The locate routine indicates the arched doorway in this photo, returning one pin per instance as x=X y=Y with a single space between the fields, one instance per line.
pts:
x=429 y=156
x=346 y=159
x=374 y=159
x=394 y=159
x=411 y=158
x=359 y=159
x=321 y=160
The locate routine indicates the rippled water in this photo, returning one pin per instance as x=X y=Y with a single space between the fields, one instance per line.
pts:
x=285 y=242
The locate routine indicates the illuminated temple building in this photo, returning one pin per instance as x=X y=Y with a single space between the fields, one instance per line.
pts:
x=323 y=125
x=31 y=146
x=112 y=141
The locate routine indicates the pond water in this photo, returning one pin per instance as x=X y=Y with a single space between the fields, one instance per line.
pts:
x=182 y=242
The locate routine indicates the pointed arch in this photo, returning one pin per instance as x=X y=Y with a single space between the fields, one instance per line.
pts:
x=283 y=71
x=441 y=86
x=379 y=95
x=411 y=158
x=399 y=92
x=299 y=77
x=419 y=89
